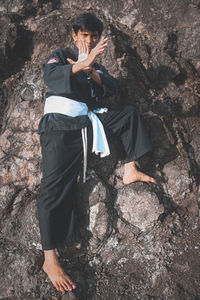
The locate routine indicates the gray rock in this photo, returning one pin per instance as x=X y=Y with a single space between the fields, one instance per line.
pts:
x=138 y=206
x=178 y=181
x=98 y=220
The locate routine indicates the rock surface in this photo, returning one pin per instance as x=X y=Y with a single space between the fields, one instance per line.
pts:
x=138 y=206
x=139 y=241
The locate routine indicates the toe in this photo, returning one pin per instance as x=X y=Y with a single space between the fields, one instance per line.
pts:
x=61 y=287
x=68 y=280
x=152 y=180
x=67 y=286
x=58 y=287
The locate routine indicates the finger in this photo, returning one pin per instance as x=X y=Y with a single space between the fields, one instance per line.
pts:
x=103 y=46
x=80 y=46
x=103 y=40
x=84 y=48
x=70 y=61
x=100 y=46
x=87 y=49
x=100 y=52
x=100 y=49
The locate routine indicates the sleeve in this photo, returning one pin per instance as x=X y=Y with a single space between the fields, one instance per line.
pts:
x=57 y=73
x=109 y=83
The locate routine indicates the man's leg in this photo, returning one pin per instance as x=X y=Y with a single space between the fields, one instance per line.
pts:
x=62 y=155
x=127 y=123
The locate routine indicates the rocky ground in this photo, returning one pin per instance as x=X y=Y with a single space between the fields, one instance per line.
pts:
x=139 y=241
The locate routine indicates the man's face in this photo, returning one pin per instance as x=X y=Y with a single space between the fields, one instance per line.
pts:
x=90 y=38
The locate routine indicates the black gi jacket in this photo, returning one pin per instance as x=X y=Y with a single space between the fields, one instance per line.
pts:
x=79 y=87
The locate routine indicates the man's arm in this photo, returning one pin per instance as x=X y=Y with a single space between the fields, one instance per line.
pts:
x=100 y=76
x=57 y=74
x=109 y=83
x=85 y=65
x=94 y=74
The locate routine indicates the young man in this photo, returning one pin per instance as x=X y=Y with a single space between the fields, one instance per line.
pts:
x=72 y=122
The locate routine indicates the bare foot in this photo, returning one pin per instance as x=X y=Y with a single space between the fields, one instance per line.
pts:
x=56 y=273
x=131 y=174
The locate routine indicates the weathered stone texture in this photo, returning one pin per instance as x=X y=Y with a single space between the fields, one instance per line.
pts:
x=138 y=206
x=139 y=241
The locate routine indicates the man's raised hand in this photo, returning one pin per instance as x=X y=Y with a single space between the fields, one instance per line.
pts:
x=82 y=55
x=97 y=50
x=87 y=59
x=83 y=51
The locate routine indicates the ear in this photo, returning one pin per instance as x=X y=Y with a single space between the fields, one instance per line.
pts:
x=74 y=36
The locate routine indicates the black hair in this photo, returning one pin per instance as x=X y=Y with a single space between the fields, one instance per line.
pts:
x=87 y=21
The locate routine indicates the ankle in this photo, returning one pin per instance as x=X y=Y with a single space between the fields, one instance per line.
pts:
x=50 y=255
x=131 y=165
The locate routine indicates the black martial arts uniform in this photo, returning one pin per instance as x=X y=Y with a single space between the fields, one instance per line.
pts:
x=62 y=147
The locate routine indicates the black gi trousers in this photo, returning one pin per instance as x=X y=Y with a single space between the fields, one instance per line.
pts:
x=62 y=153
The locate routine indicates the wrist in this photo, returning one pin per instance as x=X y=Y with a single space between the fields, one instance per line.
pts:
x=90 y=72
x=77 y=67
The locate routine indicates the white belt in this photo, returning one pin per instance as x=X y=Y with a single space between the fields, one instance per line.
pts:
x=72 y=108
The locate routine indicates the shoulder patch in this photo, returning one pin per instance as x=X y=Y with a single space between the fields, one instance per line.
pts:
x=53 y=60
